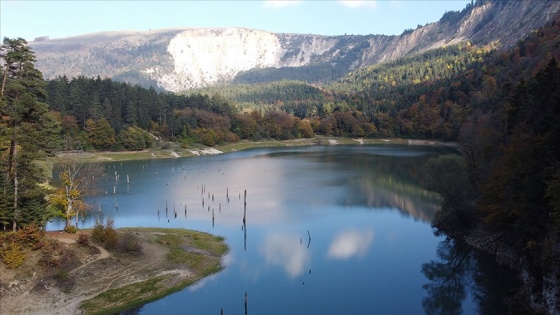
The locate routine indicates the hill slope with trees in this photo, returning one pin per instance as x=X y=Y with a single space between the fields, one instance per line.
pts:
x=181 y=59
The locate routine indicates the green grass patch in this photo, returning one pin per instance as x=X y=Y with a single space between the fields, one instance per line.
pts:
x=133 y=295
x=207 y=242
x=170 y=240
x=200 y=252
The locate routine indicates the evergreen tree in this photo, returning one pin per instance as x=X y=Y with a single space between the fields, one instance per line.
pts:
x=101 y=135
x=28 y=132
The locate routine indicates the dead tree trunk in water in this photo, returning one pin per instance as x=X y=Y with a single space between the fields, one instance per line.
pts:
x=245 y=302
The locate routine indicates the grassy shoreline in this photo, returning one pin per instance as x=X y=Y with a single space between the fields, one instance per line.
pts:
x=174 y=150
x=201 y=258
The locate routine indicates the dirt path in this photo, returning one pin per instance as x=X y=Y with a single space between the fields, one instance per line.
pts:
x=103 y=254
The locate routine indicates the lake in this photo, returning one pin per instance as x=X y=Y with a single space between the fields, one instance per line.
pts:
x=328 y=230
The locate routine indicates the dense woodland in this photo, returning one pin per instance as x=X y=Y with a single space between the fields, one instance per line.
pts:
x=501 y=106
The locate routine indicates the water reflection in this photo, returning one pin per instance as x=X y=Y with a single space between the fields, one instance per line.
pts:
x=244 y=228
x=379 y=179
x=386 y=182
x=287 y=252
x=461 y=272
x=448 y=277
x=163 y=191
x=350 y=244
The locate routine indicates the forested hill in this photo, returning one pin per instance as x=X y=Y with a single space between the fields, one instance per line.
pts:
x=180 y=59
x=101 y=114
x=429 y=96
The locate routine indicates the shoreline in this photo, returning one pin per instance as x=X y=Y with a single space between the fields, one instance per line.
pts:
x=540 y=287
x=176 y=151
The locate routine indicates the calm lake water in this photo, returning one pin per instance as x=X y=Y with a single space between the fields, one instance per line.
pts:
x=329 y=230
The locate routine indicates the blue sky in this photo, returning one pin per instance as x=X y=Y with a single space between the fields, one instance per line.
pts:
x=31 y=19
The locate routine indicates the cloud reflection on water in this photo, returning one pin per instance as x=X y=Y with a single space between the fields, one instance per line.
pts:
x=286 y=251
x=351 y=244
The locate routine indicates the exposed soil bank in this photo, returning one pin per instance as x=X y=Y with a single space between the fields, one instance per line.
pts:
x=102 y=281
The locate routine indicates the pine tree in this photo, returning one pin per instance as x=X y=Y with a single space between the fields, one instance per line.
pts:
x=25 y=123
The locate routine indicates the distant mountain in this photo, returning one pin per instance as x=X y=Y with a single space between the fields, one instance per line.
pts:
x=180 y=59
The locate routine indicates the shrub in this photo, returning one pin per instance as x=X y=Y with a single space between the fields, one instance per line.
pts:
x=32 y=236
x=48 y=261
x=13 y=256
x=111 y=236
x=68 y=260
x=93 y=250
x=130 y=244
x=83 y=240
x=9 y=237
x=58 y=261
x=98 y=232
x=49 y=256
x=105 y=234
x=71 y=229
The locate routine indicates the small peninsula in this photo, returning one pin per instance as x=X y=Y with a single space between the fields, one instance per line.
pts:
x=69 y=275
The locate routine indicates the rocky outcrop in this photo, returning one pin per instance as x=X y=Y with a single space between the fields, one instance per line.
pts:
x=179 y=59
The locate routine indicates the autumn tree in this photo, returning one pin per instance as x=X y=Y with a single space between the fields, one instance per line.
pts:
x=246 y=125
x=304 y=128
x=77 y=182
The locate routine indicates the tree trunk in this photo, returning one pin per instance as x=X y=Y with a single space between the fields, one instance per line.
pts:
x=69 y=208
x=16 y=210
x=4 y=80
x=10 y=162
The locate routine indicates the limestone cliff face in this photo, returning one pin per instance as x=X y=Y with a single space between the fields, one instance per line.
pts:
x=206 y=56
x=179 y=59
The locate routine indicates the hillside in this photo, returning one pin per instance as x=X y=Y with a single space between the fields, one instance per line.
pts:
x=180 y=59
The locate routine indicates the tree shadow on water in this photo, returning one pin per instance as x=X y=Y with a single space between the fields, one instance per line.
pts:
x=449 y=279
x=133 y=311
x=461 y=270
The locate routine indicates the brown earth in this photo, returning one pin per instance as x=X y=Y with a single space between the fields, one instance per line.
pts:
x=30 y=289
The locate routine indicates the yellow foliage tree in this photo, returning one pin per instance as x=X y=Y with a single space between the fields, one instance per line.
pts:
x=77 y=180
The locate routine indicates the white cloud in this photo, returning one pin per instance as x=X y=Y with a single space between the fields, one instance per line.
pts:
x=275 y=4
x=286 y=252
x=350 y=244
x=369 y=4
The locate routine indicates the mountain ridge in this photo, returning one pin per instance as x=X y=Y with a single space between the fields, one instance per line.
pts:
x=178 y=59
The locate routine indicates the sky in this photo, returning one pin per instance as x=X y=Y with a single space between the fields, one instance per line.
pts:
x=56 y=19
